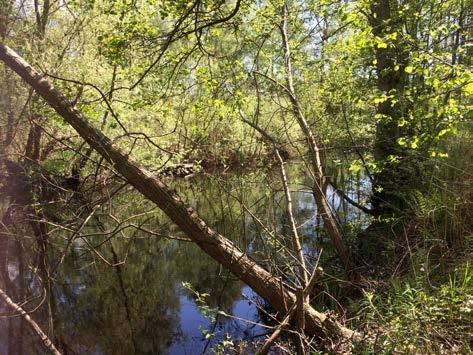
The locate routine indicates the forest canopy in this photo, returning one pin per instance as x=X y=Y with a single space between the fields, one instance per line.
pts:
x=318 y=151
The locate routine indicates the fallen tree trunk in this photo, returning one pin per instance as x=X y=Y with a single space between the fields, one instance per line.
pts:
x=218 y=247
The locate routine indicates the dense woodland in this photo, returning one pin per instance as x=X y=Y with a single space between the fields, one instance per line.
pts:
x=318 y=153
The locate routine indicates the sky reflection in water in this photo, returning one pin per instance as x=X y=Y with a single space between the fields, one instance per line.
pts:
x=141 y=306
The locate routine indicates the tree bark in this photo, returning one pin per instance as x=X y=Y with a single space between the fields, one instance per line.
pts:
x=212 y=243
x=384 y=20
x=296 y=243
x=48 y=344
x=323 y=207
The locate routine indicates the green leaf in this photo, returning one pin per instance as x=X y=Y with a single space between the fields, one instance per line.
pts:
x=379 y=100
x=468 y=88
x=355 y=167
x=402 y=122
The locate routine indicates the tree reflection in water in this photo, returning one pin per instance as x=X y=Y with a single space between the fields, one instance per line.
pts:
x=139 y=306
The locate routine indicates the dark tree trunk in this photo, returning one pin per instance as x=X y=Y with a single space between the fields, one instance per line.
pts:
x=391 y=78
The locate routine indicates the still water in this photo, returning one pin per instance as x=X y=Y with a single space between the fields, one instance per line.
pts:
x=136 y=292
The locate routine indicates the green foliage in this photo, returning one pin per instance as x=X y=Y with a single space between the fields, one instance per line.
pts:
x=426 y=305
x=178 y=81
x=444 y=212
x=413 y=317
x=202 y=302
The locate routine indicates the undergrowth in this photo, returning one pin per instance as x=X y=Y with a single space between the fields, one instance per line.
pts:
x=418 y=318
x=425 y=303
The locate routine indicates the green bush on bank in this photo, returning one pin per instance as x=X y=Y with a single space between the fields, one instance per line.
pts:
x=426 y=305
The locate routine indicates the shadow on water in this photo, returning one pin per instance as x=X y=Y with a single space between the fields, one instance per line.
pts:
x=128 y=296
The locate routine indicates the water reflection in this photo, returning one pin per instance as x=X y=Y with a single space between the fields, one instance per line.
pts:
x=135 y=302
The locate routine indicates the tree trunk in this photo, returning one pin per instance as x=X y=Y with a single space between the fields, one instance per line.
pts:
x=214 y=244
x=323 y=207
x=390 y=64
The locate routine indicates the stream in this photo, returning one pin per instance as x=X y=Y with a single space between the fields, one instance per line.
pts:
x=140 y=293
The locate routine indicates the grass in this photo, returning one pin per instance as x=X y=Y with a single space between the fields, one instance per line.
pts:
x=416 y=317
x=425 y=304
